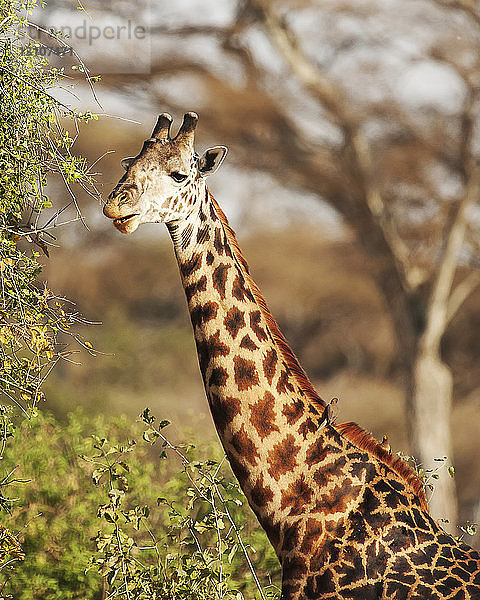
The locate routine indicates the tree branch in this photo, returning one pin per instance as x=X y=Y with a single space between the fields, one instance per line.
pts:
x=461 y=293
x=331 y=97
x=439 y=306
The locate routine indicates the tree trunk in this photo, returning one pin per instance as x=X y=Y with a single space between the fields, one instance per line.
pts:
x=429 y=403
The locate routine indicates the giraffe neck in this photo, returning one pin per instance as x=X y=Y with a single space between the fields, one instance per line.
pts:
x=301 y=477
x=258 y=395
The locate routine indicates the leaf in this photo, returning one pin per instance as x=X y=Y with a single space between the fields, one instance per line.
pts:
x=231 y=554
x=96 y=475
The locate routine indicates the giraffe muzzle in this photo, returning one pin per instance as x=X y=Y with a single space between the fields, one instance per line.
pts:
x=122 y=220
x=128 y=223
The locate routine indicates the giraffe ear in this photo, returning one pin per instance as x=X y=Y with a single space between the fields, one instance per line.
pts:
x=126 y=162
x=211 y=160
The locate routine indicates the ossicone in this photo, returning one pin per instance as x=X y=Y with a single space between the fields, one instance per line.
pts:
x=187 y=129
x=161 y=131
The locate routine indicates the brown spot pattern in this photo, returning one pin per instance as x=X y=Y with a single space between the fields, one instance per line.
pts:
x=203 y=234
x=218 y=377
x=282 y=457
x=219 y=243
x=272 y=527
x=239 y=468
x=213 y=214
x=210 y=349
x=296 y=496
x=284 y=384
x=223 y=410
x=203 y=312
x=263 y=415
x=261 y=493
x=209 y=258
x=245 y=373
x=248 y=343
x=244 y=446
x=193 y=288
x=269 y=365
x=313 y=532
x=234 y=321
x=294 y=567
x=318 y=451
x=293 y=411
x=240 y=291
x=186 y=235
x=308 y=426
x=219 y=279
x=255 y=318
x=191 y=265
x=291 y=536
x=337 y=499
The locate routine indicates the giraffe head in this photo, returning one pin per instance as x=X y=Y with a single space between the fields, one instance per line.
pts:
x=162 y=182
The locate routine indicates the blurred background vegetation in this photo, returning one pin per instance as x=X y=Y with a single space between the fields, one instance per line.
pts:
x=353 y=138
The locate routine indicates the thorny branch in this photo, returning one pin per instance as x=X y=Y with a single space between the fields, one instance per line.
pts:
x=187 y=465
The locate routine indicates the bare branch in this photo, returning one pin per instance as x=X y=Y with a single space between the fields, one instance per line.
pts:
x=83 y=66
x=439 y=307
x=461 y=293
x=332 y=98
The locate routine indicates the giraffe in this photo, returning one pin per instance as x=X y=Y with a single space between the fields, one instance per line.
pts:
x=346 y=517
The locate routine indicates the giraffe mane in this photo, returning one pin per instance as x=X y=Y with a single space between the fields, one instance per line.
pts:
x=351 y=431
x=365 y=441
x=285 y=350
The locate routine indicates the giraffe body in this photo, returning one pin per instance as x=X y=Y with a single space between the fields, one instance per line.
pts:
x=347 y=518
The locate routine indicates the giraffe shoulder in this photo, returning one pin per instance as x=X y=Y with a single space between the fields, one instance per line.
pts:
x=365 y=441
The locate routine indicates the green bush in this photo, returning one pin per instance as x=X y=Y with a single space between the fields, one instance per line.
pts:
x=105 y=506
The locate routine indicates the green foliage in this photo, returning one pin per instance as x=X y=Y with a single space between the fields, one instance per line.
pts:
x=192 y=548
x=158 y=530
x=55 y=512
x=33 y=146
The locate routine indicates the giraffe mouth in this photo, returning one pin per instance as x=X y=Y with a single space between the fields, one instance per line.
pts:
x=124 y=224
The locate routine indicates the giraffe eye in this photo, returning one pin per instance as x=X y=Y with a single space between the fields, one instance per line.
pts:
x=178 y=177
